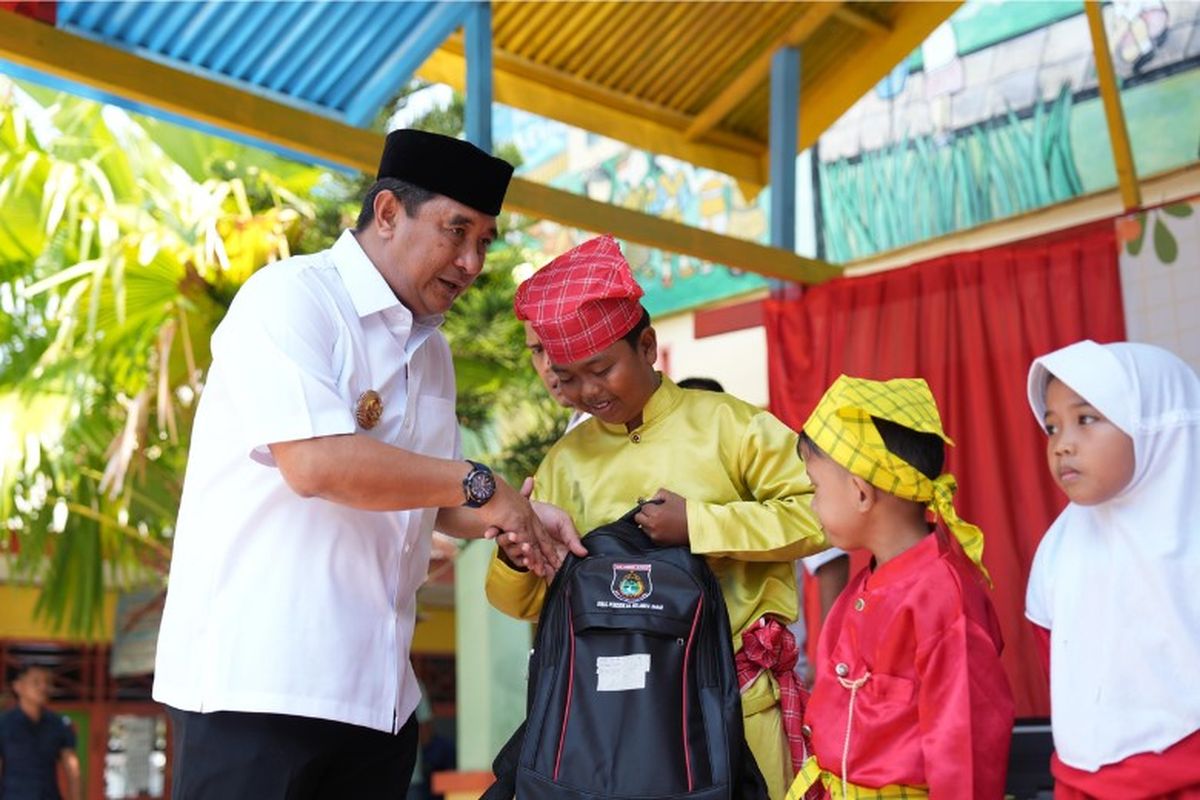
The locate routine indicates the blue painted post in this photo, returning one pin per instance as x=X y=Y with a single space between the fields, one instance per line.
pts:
x=478 y=33
x=784 y=124
x=492 y=648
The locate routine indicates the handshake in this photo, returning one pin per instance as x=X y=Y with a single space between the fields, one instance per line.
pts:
x=540 y=544
x=533 y=536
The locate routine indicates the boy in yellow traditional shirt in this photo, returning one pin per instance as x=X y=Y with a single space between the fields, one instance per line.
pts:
x=721 y=472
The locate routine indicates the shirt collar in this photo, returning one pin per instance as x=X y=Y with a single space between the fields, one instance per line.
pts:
x=907 y=563
x=35 y=722
x=368 y=290
x=664 y=400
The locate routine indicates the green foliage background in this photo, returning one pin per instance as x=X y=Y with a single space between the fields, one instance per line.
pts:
x=123 y=240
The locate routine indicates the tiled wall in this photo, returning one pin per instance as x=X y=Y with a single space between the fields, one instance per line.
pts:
x=1160 y=277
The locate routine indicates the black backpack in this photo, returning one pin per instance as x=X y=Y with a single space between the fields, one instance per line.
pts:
x=632 y=685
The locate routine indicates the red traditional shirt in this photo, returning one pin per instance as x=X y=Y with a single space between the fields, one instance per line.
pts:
x=920 y=640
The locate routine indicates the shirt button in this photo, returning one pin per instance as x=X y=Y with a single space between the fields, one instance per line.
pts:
x=806 y=730
x=635 y=437
x=842 y=670
x=860 y=604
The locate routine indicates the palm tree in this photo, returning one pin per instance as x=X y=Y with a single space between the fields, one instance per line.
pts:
x=122 y=243
x=115 y=266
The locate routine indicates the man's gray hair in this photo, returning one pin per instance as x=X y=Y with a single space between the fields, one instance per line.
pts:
x=410 y=196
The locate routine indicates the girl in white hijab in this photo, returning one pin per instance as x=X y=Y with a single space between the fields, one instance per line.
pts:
x=1116 y=580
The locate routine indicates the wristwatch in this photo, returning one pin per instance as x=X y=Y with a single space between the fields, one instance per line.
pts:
x=479 y=485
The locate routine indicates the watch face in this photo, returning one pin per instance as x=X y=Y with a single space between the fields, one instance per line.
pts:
x=482 y=485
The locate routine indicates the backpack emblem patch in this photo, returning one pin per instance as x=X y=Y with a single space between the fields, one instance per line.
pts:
x=631 y=582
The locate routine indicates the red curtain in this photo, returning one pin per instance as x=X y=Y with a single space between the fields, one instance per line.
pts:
x=43 y=10
x=970 y=324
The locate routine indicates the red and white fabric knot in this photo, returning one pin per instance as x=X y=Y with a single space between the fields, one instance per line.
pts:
x=768 y=646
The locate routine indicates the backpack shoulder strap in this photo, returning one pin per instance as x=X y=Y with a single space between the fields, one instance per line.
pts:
x=751 y=784
x=505 y=768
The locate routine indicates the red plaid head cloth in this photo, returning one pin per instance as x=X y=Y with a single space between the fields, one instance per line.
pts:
x=581 y=302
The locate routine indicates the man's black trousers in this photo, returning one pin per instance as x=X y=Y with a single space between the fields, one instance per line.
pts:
x=229 y=755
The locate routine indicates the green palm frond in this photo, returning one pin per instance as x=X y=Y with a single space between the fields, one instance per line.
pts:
x=122 y=243
x=116 y=265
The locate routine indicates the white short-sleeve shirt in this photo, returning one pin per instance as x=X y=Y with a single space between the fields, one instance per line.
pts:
x=277 y=603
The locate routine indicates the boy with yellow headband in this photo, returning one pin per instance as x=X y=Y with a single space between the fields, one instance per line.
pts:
x=910 y=699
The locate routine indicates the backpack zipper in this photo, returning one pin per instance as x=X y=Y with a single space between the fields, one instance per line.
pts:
x=687 y=653
x=562 y=736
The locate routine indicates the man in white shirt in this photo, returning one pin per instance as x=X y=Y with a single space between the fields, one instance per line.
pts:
x=324 y=450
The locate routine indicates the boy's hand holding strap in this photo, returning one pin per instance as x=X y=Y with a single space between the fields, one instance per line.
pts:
x=664 y=518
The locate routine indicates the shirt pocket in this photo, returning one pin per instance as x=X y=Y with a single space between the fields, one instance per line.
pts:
x=434 y=427
x=891 y=690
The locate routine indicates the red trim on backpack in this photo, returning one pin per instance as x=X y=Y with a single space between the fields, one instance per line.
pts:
x=562 y=736
x=687 y=653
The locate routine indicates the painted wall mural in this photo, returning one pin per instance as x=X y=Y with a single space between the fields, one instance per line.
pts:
x=665 y=187
x=998 y=113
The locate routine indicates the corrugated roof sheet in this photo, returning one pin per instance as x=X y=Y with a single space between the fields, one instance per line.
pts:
x=319 y=55
x=681 y=78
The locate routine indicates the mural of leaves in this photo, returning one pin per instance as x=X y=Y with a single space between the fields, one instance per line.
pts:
x=1131 y=231
x=1165 y=246
x=918 y=188
x=1133 y=243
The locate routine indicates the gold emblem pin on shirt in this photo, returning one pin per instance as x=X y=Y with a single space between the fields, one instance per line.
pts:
x=368 y=409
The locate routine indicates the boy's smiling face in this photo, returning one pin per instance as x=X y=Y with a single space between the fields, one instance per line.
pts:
x=615 y=384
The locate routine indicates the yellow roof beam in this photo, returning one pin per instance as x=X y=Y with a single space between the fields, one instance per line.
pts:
x=83 y=61
x=556 y=95
x=753 y=75
x=75 y=58
x=634 y=226
x=861 y=19
x=565 y=82
x=1110 y=94
x=859 y=69
x=872 y=49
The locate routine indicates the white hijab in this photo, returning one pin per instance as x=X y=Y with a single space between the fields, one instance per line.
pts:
x=1118 y=584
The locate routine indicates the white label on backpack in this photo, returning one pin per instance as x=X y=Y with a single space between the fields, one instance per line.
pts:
x=622 y=673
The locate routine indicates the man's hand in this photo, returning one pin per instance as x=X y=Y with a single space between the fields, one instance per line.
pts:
x=513 y=549
x=558 y=523
x=664 y=518
x=540 y=545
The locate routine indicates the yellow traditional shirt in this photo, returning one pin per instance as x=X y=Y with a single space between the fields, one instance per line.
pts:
x=748 y=506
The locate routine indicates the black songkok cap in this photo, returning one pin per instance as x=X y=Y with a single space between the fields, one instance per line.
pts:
x=451 y=167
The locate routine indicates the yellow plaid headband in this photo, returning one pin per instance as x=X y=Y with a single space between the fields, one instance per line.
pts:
x=841 y=427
